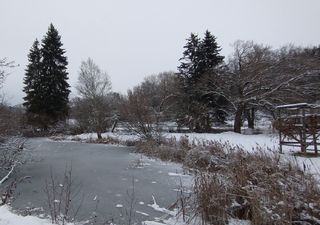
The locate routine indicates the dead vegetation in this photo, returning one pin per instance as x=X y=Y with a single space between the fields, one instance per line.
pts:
x=103 y=140
x=63 y=199
x=259 y=186
x=10 y=157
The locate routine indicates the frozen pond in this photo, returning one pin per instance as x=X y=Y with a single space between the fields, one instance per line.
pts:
x=105 y=174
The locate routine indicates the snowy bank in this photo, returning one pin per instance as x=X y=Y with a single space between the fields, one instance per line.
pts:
x=9 y=218
x=249 y=143
x=122 y=137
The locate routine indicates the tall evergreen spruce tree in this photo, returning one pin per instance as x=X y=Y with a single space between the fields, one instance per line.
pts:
x=188 y=68
x=200 y=58
x=55 y=76
x=47 y=90
x=32 y=101
x=209 y=53
x=187 y=77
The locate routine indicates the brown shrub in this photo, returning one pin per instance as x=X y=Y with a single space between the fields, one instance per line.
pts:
x=260 y=186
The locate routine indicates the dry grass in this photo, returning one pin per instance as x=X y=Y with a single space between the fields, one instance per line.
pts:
x=232 y=183
x=104 y=140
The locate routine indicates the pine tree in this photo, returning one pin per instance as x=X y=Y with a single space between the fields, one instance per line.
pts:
x=189 y=61
x=200 y=58
x=46 y=78
x=209 y=53
x=32 y=80
x=54 y=76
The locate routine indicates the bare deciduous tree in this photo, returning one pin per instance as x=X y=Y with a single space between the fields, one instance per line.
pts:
x=10 y=152
x=92 y=82
x=137 y=114
x=258 y=77
x=94 y=86
x=161 y=90
x=10 y=147
x=4 y=63
x=149 y=104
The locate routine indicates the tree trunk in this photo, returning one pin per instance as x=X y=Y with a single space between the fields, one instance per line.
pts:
x=207 y=123
x=196 y=125
x=114 y=126
x=99 y=135
x=238 y=119
x=250 y=118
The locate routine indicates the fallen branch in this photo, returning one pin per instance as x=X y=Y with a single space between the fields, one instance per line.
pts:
x=7 y=176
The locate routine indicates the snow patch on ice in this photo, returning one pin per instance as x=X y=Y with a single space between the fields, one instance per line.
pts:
x=142 y=213
x=239 y=222
x=156 y=207
x=178 y=175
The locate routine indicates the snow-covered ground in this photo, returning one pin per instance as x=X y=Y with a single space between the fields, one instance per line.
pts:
x=251 y=143
x=93 y=136
x=248 y=142
x=7 y=217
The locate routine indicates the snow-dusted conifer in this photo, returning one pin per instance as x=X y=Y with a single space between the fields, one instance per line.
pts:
x=46 y=86
x=200 y=58
x=31 y=80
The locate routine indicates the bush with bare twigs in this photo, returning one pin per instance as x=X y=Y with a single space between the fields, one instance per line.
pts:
x=10 y=151
x=61 y=196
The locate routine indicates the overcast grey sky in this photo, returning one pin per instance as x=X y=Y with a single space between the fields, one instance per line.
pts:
x=131 y=39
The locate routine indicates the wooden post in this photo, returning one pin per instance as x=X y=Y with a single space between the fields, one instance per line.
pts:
x=114 y=125
x=280 y=141
x=315 y=143
x=280 y=135
x=304 y=130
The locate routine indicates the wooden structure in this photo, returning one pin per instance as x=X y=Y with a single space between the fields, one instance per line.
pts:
x=299 y=126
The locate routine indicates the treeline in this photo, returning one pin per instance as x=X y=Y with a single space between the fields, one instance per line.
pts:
x=207 y=88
